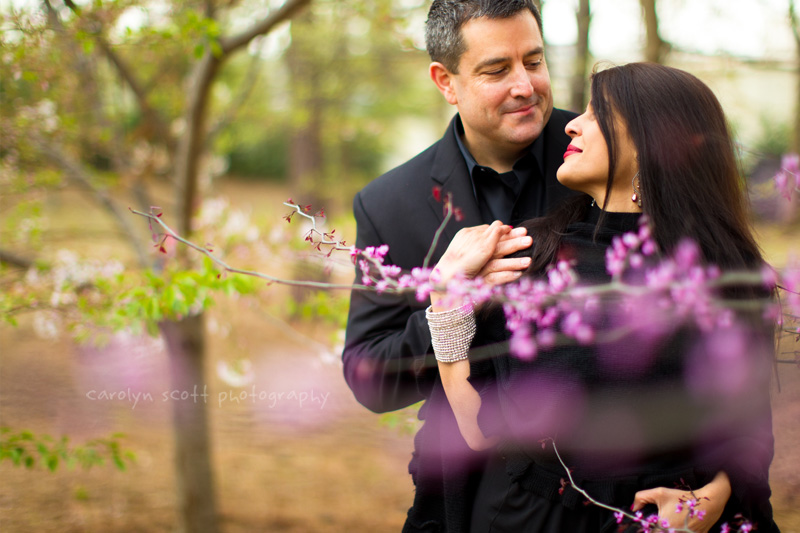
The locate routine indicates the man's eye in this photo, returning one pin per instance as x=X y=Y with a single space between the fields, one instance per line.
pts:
x=534 y=64
x=495 y=72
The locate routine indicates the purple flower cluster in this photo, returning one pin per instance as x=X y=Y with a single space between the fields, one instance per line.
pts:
x=630 y=250
x=790 y=282
x=542 y=303
x=656 y=293
x=682 y=284
x=787 y=179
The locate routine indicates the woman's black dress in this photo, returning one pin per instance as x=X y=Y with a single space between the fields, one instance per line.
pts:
x=626 y=413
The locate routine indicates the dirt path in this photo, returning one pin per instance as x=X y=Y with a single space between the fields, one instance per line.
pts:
x=296 y=454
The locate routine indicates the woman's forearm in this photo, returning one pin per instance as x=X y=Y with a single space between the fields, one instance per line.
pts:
x=465 y=402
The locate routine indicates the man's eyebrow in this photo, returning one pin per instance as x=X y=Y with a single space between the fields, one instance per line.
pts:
x=498 y=60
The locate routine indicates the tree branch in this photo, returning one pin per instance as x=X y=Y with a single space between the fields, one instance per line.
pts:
x=226 y=267
x=76 y=172
x=15 y=260
x=151 y=115
x=125 y=72
x=287 y=11
x=192 y=142
x=246 y=88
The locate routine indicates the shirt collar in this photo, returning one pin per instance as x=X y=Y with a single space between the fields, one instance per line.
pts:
x=536 y=150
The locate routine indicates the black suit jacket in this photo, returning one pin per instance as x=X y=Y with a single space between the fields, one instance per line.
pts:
x=387 y=361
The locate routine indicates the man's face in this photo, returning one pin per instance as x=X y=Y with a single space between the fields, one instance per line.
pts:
x=502 y=89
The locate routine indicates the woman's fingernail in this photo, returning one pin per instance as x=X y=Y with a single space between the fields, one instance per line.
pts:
x=526 y=261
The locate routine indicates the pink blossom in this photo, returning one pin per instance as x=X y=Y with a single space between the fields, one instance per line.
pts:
x=782 y=184
x=791 y=283
x=687 y=254
x=546 y=338
x=573 y=326
x=787 y=179
x=522 y=344
x=392 y=271
x=620 y=516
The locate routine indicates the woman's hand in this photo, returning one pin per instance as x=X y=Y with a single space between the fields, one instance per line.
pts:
x=481 y=251
x=711 y=499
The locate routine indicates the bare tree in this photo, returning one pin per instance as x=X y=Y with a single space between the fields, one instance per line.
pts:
x=184 y=336
x=578 y=86
x=656 y=48
x=794 y=18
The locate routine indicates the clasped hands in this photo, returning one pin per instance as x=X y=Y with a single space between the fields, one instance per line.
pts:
x=480 y=251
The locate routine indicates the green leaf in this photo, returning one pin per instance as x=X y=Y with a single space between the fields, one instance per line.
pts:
x=152 y=328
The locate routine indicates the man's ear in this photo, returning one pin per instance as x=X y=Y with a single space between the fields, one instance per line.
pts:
x=443 y=79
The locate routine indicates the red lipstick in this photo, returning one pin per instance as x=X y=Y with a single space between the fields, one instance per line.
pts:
x=572 y=150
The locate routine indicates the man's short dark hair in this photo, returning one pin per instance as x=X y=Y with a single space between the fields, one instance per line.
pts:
x=446 y=17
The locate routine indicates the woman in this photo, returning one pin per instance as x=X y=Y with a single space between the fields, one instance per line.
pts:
x=653 y=140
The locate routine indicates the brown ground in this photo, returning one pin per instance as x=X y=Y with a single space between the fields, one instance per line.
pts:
x=279 y=466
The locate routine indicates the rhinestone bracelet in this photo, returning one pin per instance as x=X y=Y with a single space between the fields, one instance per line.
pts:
x=451 y=332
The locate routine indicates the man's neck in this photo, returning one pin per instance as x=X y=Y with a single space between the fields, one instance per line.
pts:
x=498 y=159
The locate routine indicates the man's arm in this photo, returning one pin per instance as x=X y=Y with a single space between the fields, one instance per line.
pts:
x=387 y=339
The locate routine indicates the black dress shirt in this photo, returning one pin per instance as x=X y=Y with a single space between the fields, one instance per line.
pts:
x=497 y=194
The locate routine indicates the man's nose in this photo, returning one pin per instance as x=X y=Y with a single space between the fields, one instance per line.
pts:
x=522 y=86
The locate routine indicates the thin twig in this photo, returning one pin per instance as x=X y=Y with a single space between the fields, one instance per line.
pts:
x=225 y=266
x=447 y=216
x=603 y=505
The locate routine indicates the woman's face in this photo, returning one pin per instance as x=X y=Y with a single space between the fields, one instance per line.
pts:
x=585 y=167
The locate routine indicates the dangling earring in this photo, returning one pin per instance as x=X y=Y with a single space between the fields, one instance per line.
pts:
x=637 y=193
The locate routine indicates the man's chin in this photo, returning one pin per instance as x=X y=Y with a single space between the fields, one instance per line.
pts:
x=525 y=136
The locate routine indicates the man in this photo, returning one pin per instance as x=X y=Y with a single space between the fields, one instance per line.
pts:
x=498 y=160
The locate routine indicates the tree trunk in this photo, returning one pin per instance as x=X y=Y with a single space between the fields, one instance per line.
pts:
x=305 y=144
x=306 y=152
x=794 y=18
x=184 y=337
x=194 y=477
x=578 y=84
x=655 y=48
x=192 y=142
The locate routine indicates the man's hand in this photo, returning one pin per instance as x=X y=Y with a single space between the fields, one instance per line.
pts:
x=500 y=270
x=480 y=251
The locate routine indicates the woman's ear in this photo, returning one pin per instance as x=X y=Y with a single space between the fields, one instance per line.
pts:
x=444 y=81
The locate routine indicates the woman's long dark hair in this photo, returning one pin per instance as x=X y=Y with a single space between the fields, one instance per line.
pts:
x=691 y=186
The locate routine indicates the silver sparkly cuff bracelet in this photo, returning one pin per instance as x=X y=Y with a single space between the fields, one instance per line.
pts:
x=451 y=332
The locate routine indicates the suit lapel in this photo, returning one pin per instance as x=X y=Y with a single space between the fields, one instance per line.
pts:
x=449 y=173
